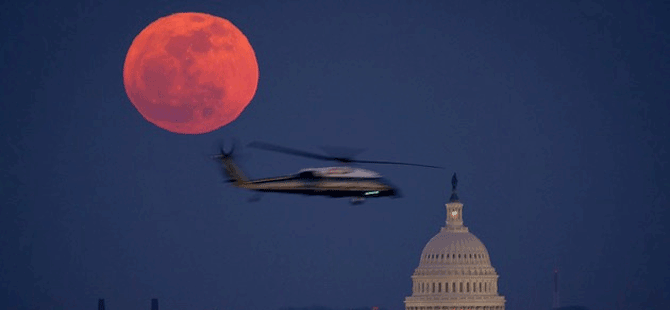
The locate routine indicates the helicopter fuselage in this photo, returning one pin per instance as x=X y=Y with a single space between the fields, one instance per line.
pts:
x=355 y=183
x=329 y=181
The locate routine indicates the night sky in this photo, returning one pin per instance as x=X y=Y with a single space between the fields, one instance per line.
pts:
x=553 y=114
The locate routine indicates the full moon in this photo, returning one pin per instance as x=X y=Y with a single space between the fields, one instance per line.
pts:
x=190 y=73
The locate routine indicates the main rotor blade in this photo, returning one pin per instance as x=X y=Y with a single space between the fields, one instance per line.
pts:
x=393 y=163
x=342 y=151
x=281 y=149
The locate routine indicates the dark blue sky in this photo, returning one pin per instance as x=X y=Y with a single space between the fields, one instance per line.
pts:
x=554 y=115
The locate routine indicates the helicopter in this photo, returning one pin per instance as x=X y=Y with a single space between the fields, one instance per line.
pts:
x=337 y=182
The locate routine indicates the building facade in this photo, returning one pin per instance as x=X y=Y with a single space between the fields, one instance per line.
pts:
x=454 y=270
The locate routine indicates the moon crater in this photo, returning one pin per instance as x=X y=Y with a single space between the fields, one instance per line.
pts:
x=190 y=73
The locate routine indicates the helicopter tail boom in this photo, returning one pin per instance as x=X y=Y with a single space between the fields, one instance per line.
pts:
x=231 y=170
x=234 y=172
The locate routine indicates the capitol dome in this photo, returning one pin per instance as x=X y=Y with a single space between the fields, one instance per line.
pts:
x=448 y=248
x=454 y=269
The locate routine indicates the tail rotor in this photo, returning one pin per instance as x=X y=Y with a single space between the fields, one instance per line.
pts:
x=222 y=151
x=230 y=170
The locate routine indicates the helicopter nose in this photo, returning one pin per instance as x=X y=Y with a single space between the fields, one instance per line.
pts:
x=395 y=193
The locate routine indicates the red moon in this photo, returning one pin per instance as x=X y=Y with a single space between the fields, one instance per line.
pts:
x=190 y=73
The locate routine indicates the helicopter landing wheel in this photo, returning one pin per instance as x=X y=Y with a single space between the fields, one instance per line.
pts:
x=357 y=200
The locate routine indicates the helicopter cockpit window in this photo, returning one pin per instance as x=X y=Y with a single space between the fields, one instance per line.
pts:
x=307 y=174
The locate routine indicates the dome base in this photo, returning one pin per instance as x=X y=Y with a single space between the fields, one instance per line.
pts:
x=455 y=303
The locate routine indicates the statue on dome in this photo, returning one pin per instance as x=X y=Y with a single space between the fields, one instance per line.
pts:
x=454 y=182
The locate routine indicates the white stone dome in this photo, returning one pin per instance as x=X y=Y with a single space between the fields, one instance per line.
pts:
x=454 y=269
x=449 y=248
